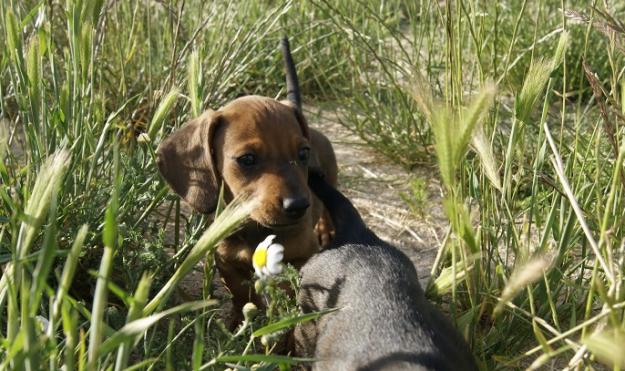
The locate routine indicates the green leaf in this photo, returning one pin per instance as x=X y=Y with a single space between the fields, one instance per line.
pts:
x=288 y=322
x=262 y=358
x=69 y=269
x=139 y=326
x=109 y=233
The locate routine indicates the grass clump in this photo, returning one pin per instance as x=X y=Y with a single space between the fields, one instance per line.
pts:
x=94 y=87
x=531 y=267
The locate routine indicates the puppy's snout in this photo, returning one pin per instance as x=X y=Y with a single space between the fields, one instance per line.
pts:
x=295 y=207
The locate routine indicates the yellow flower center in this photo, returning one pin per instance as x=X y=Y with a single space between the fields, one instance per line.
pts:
x=260 y=257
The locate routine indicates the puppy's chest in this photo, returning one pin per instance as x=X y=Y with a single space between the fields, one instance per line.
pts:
x=239 y=250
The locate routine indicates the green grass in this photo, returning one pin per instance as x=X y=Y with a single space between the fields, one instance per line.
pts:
x=528 y=140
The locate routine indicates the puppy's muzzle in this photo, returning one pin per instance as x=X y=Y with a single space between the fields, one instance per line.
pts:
x=295 y=207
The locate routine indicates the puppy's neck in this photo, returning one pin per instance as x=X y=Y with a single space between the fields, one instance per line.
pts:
x=297 y=247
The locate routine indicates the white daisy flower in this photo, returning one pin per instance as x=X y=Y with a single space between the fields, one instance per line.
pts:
x=43 y=322
x=144 y=138
x=267 y=258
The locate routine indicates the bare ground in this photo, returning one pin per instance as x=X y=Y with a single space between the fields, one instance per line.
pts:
x=374 y=183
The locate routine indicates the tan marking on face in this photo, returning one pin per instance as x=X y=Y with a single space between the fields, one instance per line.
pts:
x=269 y=131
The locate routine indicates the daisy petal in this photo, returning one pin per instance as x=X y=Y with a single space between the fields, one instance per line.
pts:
x=266 y=242
x=275 y=254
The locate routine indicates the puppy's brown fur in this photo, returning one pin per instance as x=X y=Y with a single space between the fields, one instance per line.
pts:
x=210 y=150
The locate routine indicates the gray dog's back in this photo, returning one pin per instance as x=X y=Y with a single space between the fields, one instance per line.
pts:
x=384 y=320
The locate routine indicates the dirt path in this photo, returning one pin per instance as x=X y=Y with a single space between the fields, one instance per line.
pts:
x=373 y=183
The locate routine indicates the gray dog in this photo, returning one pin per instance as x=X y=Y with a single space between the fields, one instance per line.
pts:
x=384 y=321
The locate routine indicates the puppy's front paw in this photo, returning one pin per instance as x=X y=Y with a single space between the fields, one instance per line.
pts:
x=324 y=229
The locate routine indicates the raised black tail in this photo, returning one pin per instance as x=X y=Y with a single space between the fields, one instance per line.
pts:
x=292 y=85
x=349 y=226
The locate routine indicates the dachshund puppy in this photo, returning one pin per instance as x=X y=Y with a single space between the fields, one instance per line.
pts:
x=383 y=321
x=263 y=148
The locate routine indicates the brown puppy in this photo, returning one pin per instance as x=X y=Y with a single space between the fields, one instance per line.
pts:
x=260 y=147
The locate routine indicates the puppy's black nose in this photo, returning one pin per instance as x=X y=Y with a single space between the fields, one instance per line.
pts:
x=295 y=207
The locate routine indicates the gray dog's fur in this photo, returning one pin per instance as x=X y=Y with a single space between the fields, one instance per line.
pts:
x=384 y=321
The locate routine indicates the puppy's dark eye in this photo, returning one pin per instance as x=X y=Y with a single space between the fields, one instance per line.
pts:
x=247 y=160
x=303 y=155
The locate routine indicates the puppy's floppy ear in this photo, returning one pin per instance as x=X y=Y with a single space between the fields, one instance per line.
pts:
x=313 y=162
x=185 y=161
x=298 y=116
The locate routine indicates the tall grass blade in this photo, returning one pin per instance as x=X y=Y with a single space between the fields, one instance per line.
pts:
x=135 y=312
x=559 y=168
x=270 y=359
x=46 y=187
x=226 y=223
x=453 y=129
x=561 y=48
x=68 y=274
x=163 y=110
x=33 y=68
x=139 y=326
x=100 y=299
x=422 y=94
x=13 y=35
x=46 y=258
x=198 y=345
x=193 y=81
x=523 y=275
x=4 y=141
x=447 y=278
x=608 y=346
x=289 y=322
x=70 y=331
x=535 y=81
x=472 y=116
x=482 y=147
